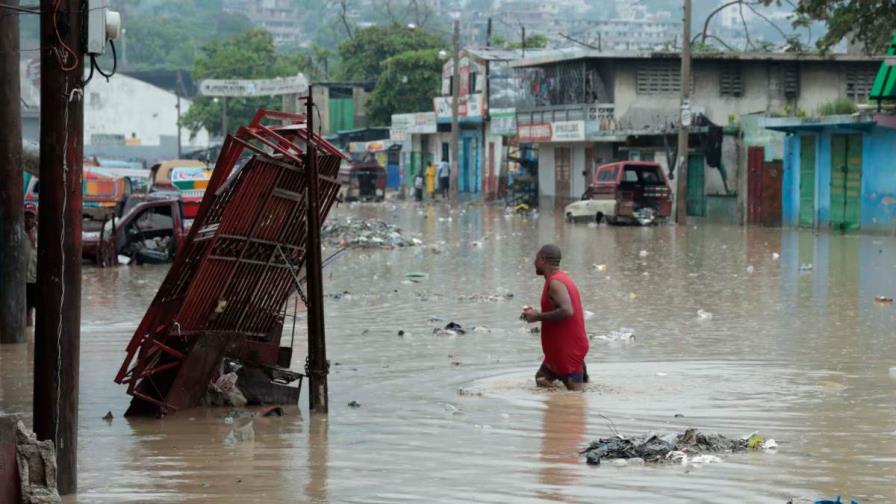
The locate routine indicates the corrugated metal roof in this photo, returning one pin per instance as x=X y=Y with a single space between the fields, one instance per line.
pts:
x=563 y=55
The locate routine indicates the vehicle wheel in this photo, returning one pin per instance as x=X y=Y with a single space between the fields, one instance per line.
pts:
x=599 y=217
x=568 y=217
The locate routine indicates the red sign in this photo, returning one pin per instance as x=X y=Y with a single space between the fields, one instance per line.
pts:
x=534 y=133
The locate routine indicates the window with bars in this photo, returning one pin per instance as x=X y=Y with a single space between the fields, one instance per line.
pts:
x=790 y=76
x=659 y=77
x=731 y=81
x=858 y=81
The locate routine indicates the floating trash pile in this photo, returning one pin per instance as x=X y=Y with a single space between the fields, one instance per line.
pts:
x=691 y=447
x=365 y=233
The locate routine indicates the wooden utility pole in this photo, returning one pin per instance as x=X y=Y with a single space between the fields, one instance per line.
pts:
x=12 y=233
x=57 y=332
x=455 y=99
x=681 y=206
x=317 y=367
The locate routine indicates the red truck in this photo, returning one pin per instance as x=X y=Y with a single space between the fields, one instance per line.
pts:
x=151 y=229
x=625 y=192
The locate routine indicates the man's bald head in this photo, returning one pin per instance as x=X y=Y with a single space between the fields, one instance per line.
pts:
x=551 y=254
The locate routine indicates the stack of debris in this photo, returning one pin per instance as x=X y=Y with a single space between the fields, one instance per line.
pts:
x=692 y=446
x=27 y=466
x=365 y=233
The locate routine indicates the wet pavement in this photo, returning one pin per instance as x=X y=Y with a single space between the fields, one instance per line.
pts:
x=802 y=355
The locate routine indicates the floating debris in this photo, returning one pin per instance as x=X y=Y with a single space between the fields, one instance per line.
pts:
x=623 y=335
x=354 y=404
x=487 y=298
x=365 y=233
x=807 y=267
x=883 y=299
x=690 y=447
x=704 y=315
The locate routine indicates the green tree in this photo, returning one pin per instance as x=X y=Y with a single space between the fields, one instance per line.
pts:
x=870 y=22
x=173 y=42
x=408 y=83
x=250 y=55
x=362 y=56
x=534 y=41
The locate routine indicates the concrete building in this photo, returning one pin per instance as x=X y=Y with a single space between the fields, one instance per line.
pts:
x=124 y=118
x=342 y=105
x=280 y=17
x=838 y=172
x=594 y=107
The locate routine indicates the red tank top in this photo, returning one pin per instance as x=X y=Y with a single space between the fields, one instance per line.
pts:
x=563 y=342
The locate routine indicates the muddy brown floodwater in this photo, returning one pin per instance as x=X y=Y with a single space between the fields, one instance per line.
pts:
x=802 y=355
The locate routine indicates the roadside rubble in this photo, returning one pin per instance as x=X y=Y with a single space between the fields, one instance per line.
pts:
x=36 y=461
x=689 y=448
x=365 y=233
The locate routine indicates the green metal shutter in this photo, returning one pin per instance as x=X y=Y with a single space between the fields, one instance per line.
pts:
x=807 y=181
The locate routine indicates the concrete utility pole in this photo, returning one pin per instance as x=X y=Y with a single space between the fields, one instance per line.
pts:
x=57 y=332
x=681 y=207
x=455 y=99
x=318 y=401
x=178 y=92
x=12 y=232
x=224 y=117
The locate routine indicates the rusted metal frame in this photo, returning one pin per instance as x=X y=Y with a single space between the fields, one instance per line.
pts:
x=280 y=295
x=157 y=402
x=285 y=142
x=273 y=193
x=242 y=261
x=301 y=131
x=259 y=240
x=258 y=213
x=167 y=349
x=157 y=370
x=275 y=146
x=276 y=114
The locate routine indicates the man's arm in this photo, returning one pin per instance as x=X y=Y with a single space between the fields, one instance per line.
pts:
x=560 y=299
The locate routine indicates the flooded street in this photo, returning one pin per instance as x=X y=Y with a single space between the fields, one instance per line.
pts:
x=796 y=347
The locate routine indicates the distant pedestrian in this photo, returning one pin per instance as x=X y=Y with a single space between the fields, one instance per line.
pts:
x=431 y=180
x=30 y=247
x=563 y=338
x=418 y=186
x=444 y=173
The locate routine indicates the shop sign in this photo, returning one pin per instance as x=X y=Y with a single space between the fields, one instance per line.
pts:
x=503 y=121
x=535 y=133
x=568 y=131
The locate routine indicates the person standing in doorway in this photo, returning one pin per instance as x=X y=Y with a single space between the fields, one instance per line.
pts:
x=563 y=338
x=444 y=173
x=418 y=186
x=30 y=244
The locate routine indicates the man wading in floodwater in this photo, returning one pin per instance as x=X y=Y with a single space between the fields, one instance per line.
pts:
x=562 y=318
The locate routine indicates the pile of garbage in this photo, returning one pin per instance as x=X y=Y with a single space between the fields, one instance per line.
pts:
x=365 y=233
x=691 y=447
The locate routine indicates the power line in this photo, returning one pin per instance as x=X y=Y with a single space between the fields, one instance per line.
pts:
x=29 y=9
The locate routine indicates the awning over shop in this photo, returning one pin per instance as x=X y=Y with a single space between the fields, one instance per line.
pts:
x=884 y=87
x=860 y=122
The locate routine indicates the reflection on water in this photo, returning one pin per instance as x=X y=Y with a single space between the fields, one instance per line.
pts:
x=564 y=435
x=800 y=353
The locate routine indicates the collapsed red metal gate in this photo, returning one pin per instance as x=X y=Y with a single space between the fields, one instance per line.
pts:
x=226 y=293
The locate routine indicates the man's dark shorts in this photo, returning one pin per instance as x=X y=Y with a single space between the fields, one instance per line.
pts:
x=581 y=377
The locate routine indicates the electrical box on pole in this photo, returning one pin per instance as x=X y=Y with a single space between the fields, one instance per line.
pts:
x=103 y=25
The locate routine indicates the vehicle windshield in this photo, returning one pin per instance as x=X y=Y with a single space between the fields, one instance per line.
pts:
x=643 y=175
